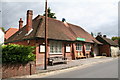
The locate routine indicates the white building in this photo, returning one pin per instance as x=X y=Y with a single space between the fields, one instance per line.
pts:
x=1 y=36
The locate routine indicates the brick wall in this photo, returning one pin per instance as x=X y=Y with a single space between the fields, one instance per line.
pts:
x=105 y=49
x=12 y=70
x=69 y=56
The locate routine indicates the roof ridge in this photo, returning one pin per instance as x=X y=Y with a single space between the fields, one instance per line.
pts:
x=39 y=25
x=104 y=38
x=11 y=28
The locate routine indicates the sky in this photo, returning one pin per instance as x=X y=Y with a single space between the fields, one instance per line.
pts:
x=92 y=15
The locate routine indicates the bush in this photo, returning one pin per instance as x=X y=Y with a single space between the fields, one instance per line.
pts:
x=13 y=53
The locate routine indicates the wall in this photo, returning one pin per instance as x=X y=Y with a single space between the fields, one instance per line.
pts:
x=12 y=70
x=40 y=55
x=96 y=50
x=1 y=37
x=114 y=51
x=105 y=49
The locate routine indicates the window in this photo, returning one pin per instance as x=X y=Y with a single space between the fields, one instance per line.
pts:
x=88 y=47
x=78 y=47
x=55 y=47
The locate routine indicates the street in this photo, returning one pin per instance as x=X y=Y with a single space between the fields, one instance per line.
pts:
x=101 y=70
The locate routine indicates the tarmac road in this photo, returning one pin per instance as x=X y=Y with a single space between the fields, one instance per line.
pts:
x=102 y=70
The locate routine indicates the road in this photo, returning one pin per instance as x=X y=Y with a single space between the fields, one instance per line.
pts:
x=101 y=70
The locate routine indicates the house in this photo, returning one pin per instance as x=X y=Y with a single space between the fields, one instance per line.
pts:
x=109 y=47
x=1 y=36
x=64 y=39
x=10 y=32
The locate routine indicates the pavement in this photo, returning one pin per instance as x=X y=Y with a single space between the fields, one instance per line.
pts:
x=70 y=64
x=73 y=63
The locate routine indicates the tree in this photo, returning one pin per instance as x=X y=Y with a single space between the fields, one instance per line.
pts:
x=50 y=14
x=92 y=34
x=116 y=38
x=3 y=29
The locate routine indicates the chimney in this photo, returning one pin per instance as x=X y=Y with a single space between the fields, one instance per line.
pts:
x=20 y=23
x=29 y=20
x=104 y=36
x=65 y=23
x=63 y=20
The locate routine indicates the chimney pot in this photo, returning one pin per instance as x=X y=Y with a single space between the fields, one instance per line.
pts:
x=29 y=20
x=104 y=36
x=20 y=23
x=63 y=20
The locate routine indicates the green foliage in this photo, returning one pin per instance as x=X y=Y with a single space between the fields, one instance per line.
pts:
x=50 y=14
x=13 y=53
x=116 y=38
x=92 y=34
x=3 y=29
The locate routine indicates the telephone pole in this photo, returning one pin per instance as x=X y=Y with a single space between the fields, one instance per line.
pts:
x=46 y=35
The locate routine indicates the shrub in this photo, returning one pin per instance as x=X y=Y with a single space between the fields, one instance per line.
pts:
x=14 y=53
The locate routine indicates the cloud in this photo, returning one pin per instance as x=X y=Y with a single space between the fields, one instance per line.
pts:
x=12 y=12
x=92 y=15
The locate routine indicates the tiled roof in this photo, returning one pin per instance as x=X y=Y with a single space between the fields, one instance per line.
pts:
x=116 y=41
x=10 y=32
x=57 y=30
x=106 y=40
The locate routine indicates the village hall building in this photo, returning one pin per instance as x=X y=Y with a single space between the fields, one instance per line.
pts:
x=64 y=39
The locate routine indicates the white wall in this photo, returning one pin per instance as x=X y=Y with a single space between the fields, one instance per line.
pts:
x=114 y=51
x=96 y=50
x=1 y=37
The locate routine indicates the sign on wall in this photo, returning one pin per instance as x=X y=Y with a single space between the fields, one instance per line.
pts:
x=80 y=39
x=42 y=48
x=67 y=48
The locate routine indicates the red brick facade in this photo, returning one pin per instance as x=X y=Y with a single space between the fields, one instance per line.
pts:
x=40 y=55
x=105 y=49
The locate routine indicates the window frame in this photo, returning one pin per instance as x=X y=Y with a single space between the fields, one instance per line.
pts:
x=79 y=47
x=56 y=47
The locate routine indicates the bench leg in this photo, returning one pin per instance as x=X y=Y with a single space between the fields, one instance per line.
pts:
x=51 y=63
x=65 y=62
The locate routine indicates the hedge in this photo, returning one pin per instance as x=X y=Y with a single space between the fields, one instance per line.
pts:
x=13 y=53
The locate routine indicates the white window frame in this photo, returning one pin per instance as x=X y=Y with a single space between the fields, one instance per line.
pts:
x=89 y=47
x=79 y=47
x=55 y=47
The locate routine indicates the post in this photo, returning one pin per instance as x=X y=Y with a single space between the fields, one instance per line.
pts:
x=46 y=32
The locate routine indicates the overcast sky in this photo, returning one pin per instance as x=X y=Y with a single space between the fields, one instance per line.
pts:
x=92 y=15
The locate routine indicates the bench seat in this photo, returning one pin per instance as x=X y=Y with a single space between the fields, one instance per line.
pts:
x=56 y=59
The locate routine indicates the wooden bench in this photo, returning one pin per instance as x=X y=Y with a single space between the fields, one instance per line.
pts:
x=80 y=55
x=56 y=59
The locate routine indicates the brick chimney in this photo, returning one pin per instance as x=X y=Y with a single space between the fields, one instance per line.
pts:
x=29 y=20
x=20 y=23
